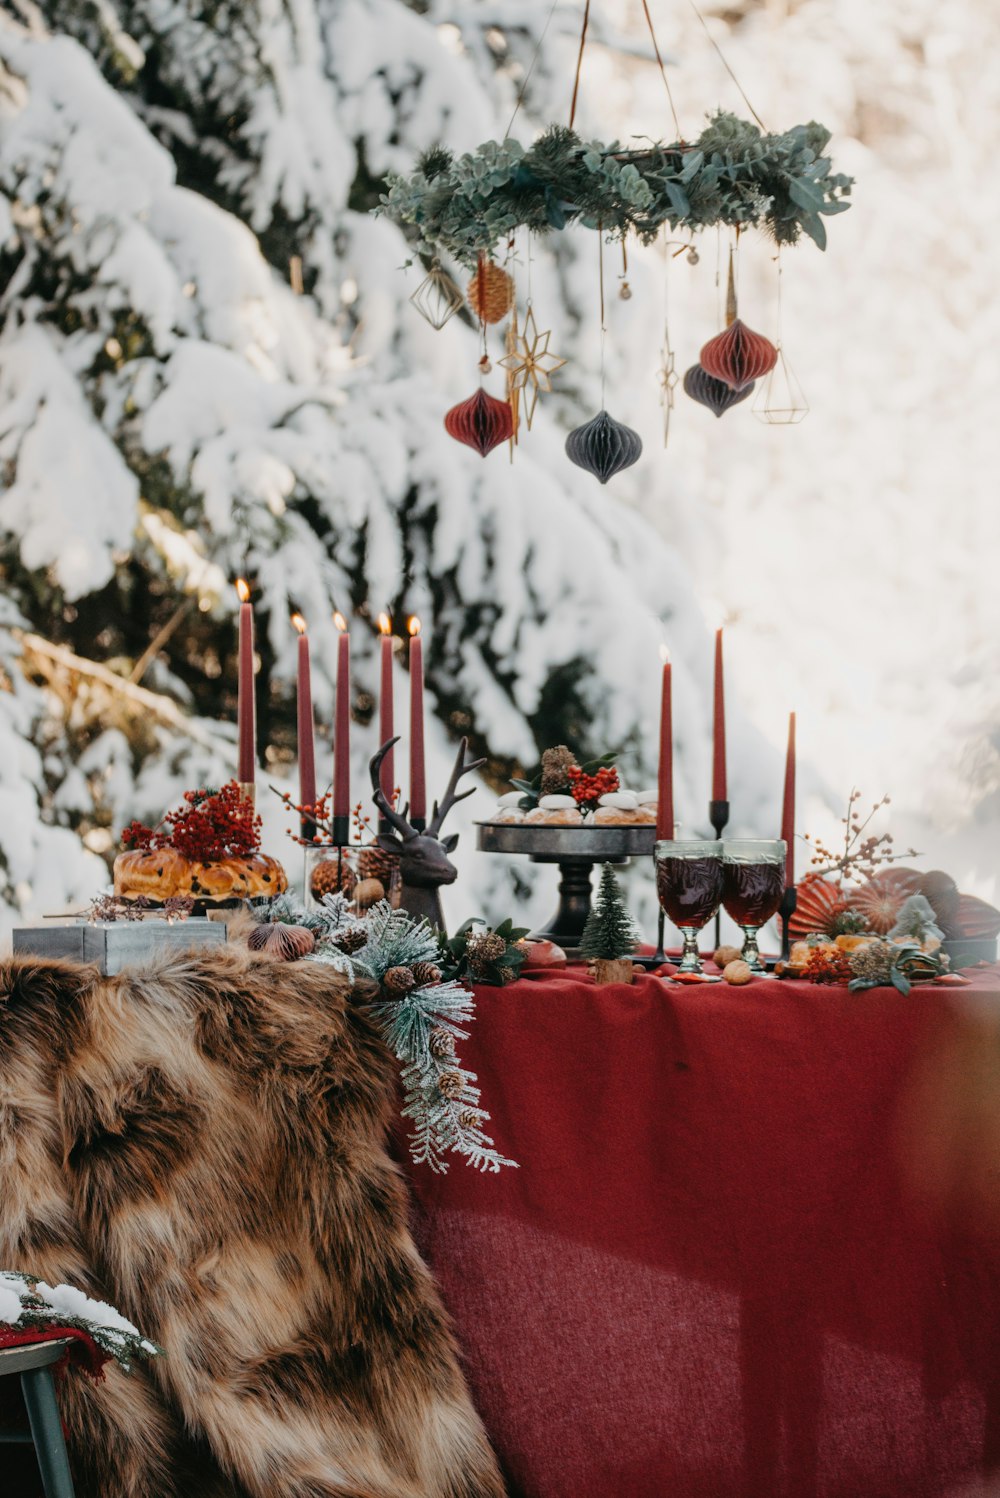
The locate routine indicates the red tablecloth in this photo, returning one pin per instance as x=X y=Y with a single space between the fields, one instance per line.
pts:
x=712 y=1275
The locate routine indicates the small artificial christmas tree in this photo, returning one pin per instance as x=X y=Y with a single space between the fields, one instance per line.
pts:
x=609 y=936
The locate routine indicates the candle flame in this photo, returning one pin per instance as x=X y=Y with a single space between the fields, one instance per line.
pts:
x=299 y=623
x=243 y=589
x=413 y=625
x=664 y=654
x=384 y=624
x=340 y=622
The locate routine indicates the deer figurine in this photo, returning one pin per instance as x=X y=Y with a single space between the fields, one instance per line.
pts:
x=424 y=862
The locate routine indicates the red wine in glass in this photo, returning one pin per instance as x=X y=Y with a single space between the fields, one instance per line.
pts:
x=689 y=882
x=753 y=887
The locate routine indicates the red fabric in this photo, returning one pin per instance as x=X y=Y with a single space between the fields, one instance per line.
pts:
x=711 y=1276
x=83 y=1351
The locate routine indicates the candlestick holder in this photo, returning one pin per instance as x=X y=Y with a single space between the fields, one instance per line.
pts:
x=248 y=790
x=718 y=815
x=651 y=963
x=786 y=910
x=341 y=829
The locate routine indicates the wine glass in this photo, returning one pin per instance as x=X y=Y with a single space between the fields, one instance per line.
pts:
x=689 y=882
x=754 y=884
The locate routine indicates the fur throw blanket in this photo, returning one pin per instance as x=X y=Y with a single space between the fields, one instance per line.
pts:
x=202 y=1143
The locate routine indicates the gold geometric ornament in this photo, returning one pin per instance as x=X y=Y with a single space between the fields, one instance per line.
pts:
x=780 y=400
x=530 y=366
x=437 y=298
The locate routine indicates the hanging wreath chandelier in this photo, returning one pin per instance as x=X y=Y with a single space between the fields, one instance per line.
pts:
x=735 y=176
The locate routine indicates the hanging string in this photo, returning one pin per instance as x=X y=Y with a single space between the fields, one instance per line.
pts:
x=663 y=71
x=579 y=66
x=725 y=64
x=600 y=265
x=531 y=68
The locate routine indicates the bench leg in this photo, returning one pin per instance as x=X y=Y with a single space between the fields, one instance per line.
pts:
x=46 y=1431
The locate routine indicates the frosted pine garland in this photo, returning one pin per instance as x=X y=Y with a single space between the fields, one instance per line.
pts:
x=30 y=1304
x=443 y=1124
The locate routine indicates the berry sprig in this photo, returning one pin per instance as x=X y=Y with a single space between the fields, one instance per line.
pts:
x=320 y=814
x=828 y=965
x=211 y=825
x=587 y=790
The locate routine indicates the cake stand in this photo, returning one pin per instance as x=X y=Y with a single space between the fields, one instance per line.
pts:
x=575 y=850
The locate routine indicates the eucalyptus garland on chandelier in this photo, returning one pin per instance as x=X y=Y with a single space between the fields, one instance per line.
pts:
x=733 y=175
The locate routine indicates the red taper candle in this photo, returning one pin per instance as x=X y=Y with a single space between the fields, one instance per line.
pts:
x=342 y=723
x=418 y=774
x=246 y=713
x=719 y=789
x=665 y=785
x=788 y=805
x=304 y=721
x=387 y=778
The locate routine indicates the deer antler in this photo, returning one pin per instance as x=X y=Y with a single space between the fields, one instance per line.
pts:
x=386 y=810
x=450 y=796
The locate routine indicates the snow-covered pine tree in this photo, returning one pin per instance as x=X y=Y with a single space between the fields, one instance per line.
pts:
x=172 y=414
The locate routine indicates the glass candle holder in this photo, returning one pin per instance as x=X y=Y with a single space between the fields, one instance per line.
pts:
x=689 y=884
x=754 y=884
x=365 y=874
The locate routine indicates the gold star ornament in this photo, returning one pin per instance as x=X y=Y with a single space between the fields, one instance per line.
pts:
x=530 y=366
x=668 y=379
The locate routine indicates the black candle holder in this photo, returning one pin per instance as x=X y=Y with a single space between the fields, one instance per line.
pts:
x=718 y=815
x=786 y=910
x=341 y=830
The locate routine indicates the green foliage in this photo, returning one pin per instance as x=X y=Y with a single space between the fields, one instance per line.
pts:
x=901 y=963
x=485 y=956
x=848 y=923
x=917 y=919
x=732 y=175
x=610 y=931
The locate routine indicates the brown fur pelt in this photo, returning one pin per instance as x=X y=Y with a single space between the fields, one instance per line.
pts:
x=202 y=1143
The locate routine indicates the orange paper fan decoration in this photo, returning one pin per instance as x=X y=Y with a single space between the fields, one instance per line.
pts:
x=880 y=899
x=817 y=904
x=739 y=356
x=481 y=422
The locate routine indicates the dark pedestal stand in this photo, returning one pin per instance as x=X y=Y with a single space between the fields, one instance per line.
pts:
x=718 y=815
x=566 y=926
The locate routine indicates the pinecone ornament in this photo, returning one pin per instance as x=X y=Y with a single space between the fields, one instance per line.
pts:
x=398 y=981
x=351 y=939
x=490 y=292
x=555 y=763
x=329 y=879
x=450 y=1084
x=376 y=863
x=467 y=1119
x=426 y=973
x=441 y=1043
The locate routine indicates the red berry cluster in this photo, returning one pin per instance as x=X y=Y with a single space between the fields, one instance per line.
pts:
x=587 y=790
x=826 y=965
x=211 y=825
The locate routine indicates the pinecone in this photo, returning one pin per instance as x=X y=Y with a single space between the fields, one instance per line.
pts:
x=328 y=879
x=467 y=1119
x=376 y=863
x=399 y=980
x=555 y=763
x=351 y=939
x=426 y=973
x=441 y=1043
x=450 y=1084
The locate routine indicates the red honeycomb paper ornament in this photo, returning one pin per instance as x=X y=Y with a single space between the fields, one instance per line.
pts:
x=481 y=422
x=738 y=356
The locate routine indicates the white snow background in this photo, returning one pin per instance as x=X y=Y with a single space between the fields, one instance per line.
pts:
x=850 y=557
